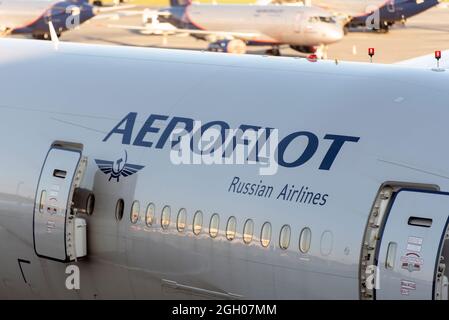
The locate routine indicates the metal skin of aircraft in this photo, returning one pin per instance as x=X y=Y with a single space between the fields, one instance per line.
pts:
x=303 y=28
x=350 y=7
x=357 y=207
x=341 y=7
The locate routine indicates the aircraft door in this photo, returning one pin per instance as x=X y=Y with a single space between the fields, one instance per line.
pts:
x=297 y=24
x=57 y=203
x=410 y=258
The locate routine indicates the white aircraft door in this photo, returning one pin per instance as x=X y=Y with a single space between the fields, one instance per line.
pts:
x=54 y=219
x=297 y=26
x=411 y=244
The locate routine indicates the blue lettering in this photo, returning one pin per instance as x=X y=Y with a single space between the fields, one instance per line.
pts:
x=308 y=153
x=146 y=128
x=188 y=126
x=334 y=149
x=129 y=121
x=223 y=125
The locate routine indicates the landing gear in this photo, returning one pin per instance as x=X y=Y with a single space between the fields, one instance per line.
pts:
x=41 y=36
x=403 y=21
x=274 y=51
x=44 y=36
x=384 y=27
x=321 y=52
x=5 y=32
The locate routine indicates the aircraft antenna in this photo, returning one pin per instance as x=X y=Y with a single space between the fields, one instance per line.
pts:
x=53 y=35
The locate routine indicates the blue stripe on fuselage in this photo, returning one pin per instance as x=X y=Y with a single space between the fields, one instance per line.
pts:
x=60 y=16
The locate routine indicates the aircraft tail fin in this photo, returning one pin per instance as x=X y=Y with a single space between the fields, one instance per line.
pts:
x=180 y=3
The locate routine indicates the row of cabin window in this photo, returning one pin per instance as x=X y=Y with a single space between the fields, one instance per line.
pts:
x=231 y=226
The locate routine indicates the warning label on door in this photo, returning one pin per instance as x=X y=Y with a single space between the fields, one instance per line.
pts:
x=411 y=262
x=407 y=286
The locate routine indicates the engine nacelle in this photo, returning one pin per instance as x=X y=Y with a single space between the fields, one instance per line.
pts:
x=230 y=46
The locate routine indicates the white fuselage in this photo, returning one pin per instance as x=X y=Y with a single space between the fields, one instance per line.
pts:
x=273 y=23
x=80 y=93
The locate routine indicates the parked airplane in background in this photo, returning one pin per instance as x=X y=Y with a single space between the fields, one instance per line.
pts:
x=231 y=27
x=390 y=13
x=363 y=12
x=333 y=200
x=32 y=16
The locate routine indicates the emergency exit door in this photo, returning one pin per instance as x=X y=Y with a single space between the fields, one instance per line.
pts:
x=411 y=243
x=54 y=221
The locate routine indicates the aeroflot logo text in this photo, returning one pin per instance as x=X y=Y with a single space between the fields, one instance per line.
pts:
x=214 y=142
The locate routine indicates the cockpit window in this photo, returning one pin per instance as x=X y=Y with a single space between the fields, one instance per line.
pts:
x=322 y=19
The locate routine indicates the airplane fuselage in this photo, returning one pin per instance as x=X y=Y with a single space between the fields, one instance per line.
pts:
x=396 y=11
x=350 y=7
x=275 y=24
x=338 y=160
x=31 y=17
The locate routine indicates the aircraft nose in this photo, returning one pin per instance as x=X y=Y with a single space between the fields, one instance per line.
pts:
x=334 y=35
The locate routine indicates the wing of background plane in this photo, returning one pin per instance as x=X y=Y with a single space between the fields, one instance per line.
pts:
x=113 y=12
x=114 y=8
x=157 y=27
x=427 y=61
x=164 y=28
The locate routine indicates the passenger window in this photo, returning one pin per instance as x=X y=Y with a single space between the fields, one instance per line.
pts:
x=197 y=223
x=119 y=207
x=165 y=218
x=248 y=231
x=135 y=210
x=214 y=225
x=284 y=237
x=305 y=239
x=265 y=235
x=182 y=220
x=231 y=227
x=149 y=216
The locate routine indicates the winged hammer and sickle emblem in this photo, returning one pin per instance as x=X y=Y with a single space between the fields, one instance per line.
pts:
x=118 y=168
